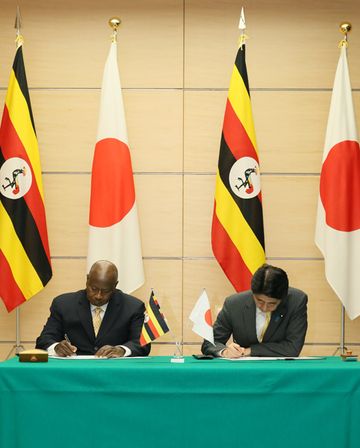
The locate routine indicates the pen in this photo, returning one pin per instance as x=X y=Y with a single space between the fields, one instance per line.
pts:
x=67 y=339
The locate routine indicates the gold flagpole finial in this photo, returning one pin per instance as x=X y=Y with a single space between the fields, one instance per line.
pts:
x=19 y=39
x=345 y=28
x=114 y=23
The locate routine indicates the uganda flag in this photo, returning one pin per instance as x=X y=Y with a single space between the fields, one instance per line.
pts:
x=154 y=323
x=25 y=266
x=237 y=228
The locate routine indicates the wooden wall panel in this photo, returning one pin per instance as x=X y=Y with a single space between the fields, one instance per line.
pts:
x=68 y=275
x=160 y=214
x=7 y=324
x=68 y=146
x=289 y=46
x=67 y=209
x=290 y=129
x=176 y=58
x=67 y=205
x=290 y=199
x=67 y=43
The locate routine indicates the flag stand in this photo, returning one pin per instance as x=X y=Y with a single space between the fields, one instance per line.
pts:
x=341 y=348
x=17 y=347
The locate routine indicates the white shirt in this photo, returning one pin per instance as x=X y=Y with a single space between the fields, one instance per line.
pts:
x=51 y=348
x=260 y=322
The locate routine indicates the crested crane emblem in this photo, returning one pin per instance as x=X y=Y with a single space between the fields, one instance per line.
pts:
x=244 y=178
x=15 y=178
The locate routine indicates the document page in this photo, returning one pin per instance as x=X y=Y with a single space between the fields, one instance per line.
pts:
x=82 y=357
x=274 y=358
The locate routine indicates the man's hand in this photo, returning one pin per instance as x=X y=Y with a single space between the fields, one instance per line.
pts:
x=234 y=350
x=64 y=349
x=109 y=351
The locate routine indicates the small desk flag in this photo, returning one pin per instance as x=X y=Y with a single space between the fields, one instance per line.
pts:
x=201 y=318
x=154 y=323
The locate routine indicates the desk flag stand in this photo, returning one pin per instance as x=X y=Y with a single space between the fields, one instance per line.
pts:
x=341 y=348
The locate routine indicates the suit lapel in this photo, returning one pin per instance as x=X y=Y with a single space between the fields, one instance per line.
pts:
x=250 y=319
x=85 y=316
x=110 y=315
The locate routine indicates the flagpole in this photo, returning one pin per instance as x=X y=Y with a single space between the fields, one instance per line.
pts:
x=345 y=28
x=17 y=348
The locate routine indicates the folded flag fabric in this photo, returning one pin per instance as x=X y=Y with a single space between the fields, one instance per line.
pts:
x=201 y=318
x=154 y=324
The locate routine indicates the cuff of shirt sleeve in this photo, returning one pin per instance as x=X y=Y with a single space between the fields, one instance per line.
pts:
x=51 y=350
x=127 y=350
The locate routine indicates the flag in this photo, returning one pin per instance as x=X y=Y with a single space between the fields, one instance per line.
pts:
x=154 y=324
x=337 y=232
x=237 y=235
x=25 y=265
x=114 y=229
x=201 y=318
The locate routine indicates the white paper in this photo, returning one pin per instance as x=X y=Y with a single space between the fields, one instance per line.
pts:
x=277 y=358
x=82 y=357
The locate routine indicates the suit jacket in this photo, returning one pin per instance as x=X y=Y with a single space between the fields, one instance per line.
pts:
x=284 y=336
x=121 y=325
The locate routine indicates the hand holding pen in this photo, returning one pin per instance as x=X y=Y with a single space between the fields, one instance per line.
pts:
x=65 y=348
x=234 y=350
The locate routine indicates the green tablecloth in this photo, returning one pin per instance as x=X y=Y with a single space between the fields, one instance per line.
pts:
x=154 y=403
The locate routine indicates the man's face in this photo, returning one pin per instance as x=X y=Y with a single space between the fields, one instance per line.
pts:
x=265 y=303
x=99 y=288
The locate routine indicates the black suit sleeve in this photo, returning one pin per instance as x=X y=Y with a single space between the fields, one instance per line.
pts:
x=135 y=326
x=53 y=330
x=294 y=338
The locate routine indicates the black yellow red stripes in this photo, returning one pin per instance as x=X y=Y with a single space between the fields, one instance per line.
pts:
x=154 y=325
x=25 y=264
x=237 y=230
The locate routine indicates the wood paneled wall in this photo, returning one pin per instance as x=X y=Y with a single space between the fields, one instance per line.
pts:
x=176 y=58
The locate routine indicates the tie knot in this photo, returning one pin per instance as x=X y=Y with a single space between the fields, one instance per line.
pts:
x=98 y=311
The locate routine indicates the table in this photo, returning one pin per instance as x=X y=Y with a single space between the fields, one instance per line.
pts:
x=154 y=403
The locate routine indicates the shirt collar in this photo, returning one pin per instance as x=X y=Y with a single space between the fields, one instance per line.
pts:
x=103 y=307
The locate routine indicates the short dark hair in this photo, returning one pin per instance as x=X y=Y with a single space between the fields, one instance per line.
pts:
x=270 y=281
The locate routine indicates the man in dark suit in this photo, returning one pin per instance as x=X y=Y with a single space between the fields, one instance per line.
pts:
x=269 y=320
x=100 y=320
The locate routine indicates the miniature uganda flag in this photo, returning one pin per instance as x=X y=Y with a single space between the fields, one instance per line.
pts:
x=201 y=318
x=154 y=323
